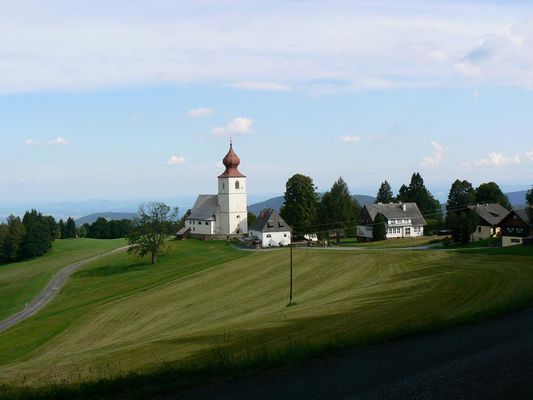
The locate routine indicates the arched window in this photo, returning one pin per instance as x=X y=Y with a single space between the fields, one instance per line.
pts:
x=237 y=185
x=223 y=186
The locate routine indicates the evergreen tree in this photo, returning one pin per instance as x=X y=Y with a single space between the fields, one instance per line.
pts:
x=379 y=231
x=338 y=210
x=53 y=226
x=461 y=195
x=100 y=229
x=251 y=218
x=70 y=228
x=84 y=230
x=491 y=193
x=38 y=239
x=61 y=230
x=3 y=237
x=384 y=193
x=529 y=204
x=13 y=240
x=301 y=203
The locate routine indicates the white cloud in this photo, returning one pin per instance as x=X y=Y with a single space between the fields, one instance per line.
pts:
x=31 y=142
x=350 y=139
x=498 y=160
x=237 y=126
x=268 y=86
x=48 y=46
x=529 y=154
x=201 y=112
x=58 y=141
x=176 y=160
x=436 y=158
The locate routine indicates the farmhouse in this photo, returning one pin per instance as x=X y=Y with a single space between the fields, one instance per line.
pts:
x=516 y=227
x=270 y=230
x=224 y=213
x=401 y=220
x=490 y=215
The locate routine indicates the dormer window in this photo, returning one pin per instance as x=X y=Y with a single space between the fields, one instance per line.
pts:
x=237 y=185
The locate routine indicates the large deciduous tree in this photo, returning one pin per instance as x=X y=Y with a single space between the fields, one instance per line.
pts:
x=338 y=210
x=155 y=222
x=301 y=203
x=384 y=193
x=461 y=195
x=490 y=192
x=462 y=224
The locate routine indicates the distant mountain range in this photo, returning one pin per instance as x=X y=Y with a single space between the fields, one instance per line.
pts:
x=517 y=199
x=276 y=203
x=89 y=219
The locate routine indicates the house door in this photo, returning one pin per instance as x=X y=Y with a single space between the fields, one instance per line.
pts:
x=407 y=231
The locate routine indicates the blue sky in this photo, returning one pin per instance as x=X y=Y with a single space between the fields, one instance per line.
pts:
x=137 y=100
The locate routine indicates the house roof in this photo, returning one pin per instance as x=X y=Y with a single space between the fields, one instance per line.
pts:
x=522 y=214
x=205 y=208
x=396 y=211
x=270 y=221
x=491 y=213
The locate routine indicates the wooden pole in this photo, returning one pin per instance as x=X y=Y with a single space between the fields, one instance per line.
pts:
x=291 y=295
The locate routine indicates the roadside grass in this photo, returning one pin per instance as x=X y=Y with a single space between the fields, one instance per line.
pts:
x=21 y=282
x=489 y=243
x=391 y=243
x=121 y=328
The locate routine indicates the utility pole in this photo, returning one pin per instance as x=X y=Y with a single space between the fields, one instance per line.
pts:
x=291 y=295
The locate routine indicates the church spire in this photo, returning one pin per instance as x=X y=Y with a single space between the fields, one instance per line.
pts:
x=231 y=162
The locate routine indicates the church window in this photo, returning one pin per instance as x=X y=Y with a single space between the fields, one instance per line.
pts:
x=207 y=223
x=223 y=186
x=269 y=235
x=237 y=185
x=238 y=216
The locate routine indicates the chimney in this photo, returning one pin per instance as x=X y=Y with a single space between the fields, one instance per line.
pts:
x=404 y=206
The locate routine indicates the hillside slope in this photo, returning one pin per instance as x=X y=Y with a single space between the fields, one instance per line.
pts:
x=121 y=313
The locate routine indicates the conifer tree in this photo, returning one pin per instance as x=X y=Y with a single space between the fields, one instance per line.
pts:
x=379 y=231
x=384 y=193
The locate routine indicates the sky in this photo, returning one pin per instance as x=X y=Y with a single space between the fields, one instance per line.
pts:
x=125 y=100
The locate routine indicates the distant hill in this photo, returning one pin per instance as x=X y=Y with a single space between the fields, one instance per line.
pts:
x=277 y=202
x=517 y=199
x=89 y=219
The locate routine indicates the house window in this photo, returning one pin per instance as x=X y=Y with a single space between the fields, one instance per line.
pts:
x=515 y=240
x=479 y=229
x=207 y=223
x=269 y=235
x=284 y=235
x=237 y=185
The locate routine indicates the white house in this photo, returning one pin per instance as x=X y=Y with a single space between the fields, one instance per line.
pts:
x=227 y=212
x=401 y=220
x=270 y=229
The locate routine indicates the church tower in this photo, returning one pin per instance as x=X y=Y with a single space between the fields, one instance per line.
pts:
x=232 y=201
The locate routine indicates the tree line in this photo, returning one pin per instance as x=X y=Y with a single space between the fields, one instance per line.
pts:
x=337 y=210
x=29 y=237
x=104 y=229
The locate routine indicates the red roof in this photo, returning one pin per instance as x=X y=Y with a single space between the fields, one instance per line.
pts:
x=231 y=162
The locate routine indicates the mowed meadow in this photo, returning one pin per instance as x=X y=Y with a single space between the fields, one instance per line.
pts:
x=120 y=314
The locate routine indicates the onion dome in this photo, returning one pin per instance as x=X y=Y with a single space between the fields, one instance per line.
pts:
x=231 y=162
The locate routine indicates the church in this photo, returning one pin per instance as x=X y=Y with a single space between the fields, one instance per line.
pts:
x=225 y=213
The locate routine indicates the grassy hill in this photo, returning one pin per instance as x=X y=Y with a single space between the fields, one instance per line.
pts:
x=120 y=313
x=20 y=282
x=89 y=219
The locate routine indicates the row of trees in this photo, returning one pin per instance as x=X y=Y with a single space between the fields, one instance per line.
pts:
x=27 y=238
x=104 y=229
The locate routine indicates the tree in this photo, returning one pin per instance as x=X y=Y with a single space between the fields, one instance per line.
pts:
x=491 y=193
x=153 y=225
x=338 y=210
x=529 y=203
x=13 y=240
x=100 y=229
x=181 y=222
x=53 y=226
x=461 y=195
x=378 y=230
x=251 y=218
x=384 y=193
x=417 y=193
x=84 y=230
x=301 y=203
x=38 y=239
x=70 y=228
x=462 y=224
x=61 y=230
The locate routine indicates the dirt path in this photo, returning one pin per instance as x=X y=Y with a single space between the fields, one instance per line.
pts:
x=50 y=291
x=492 y=359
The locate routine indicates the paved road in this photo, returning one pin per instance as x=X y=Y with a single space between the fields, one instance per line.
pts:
x=50 y=291
x=489 y=360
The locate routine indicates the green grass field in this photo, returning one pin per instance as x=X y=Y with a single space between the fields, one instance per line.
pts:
x=391 y=243
x=120 y=313
x=20 y=282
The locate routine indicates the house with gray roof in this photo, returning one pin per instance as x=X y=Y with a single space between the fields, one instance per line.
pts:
x=490 y=216
x=516 y=228
x=401 y=220
x=270 y=230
